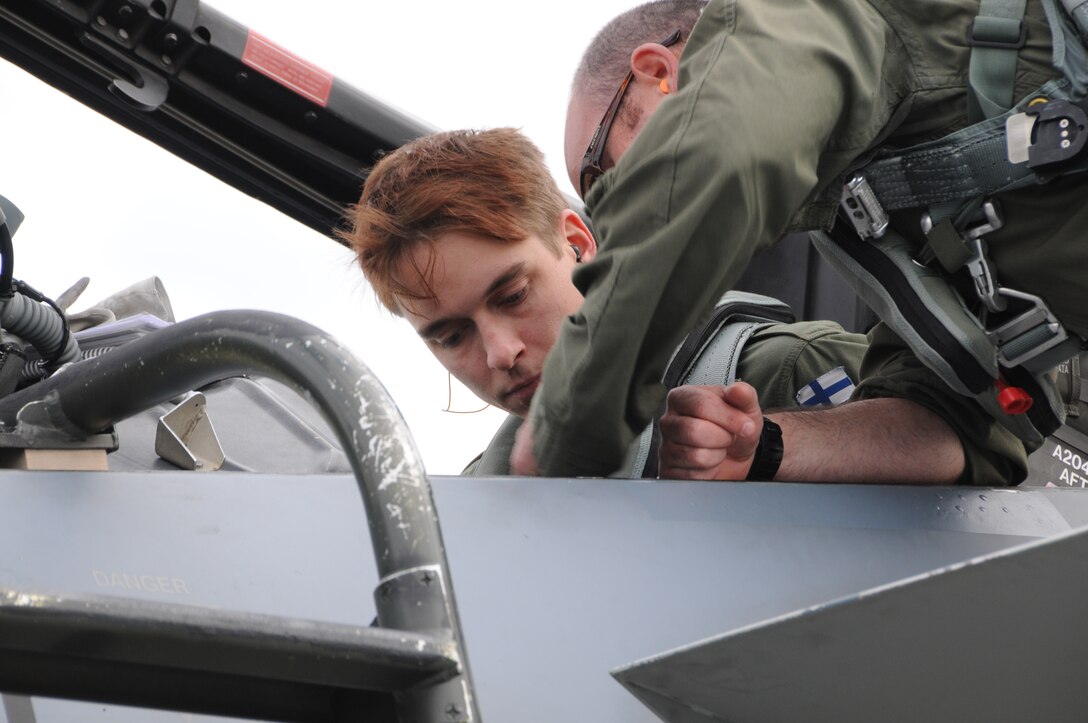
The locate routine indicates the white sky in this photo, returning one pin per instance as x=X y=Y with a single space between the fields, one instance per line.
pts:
x=101 y=202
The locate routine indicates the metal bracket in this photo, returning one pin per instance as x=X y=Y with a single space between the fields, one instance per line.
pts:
x=139 y=86
x=413 y=599
x=42 y=424
x=185 y=436
x=1046 y=133
x=418 y=599
x=42 y=438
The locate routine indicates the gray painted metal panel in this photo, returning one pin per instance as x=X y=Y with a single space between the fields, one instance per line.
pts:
x=295 y=546
x=561 y=580
x=985 y=640
x=558 y=581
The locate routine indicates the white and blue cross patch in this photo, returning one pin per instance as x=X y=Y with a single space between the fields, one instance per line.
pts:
x=833 y=387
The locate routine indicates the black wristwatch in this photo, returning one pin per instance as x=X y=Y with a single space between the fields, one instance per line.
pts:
x=768 y=453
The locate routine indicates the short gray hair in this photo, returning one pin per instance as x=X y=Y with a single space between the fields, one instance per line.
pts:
x=608 y=57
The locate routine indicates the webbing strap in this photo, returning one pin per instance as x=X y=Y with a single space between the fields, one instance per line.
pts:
x=715 y=364
x=946 y=244
x=986 y=158
x=969 y=163
x=996 y=35
x=1026 y=342
x=1078 y=11
x=710 y=355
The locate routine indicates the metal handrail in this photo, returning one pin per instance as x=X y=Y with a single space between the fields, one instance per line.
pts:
x=415 y=591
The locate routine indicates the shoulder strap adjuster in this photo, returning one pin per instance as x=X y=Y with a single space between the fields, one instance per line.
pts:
x=995 y=32
x=995 y=36
x=1028 y=334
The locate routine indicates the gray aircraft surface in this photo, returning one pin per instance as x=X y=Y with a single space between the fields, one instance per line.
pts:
x=598 y=600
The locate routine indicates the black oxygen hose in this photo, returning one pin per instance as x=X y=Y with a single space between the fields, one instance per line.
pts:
x=29 y=314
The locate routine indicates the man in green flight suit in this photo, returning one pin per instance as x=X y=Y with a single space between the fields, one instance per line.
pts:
x=466 y=235
x=726 y=135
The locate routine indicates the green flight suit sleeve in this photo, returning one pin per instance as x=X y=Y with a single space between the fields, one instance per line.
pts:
x=780 y=359
x=993 y=455
x=472 y=466
x=495 y=459
x=717 y=173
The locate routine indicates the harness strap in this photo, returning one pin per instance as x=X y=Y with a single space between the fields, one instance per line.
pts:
x=931 y=319
x=717 y=364
x=970 y=163
x=995 y=35
x=1078 y=10
x=1004 y=340
x=1006 y=146
x=1031 y=144
x=945 y=244
x=710 y=355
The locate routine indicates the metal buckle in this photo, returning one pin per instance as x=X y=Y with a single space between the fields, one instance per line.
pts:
x=979 y=265
x=985 y=287
x=992 y=223
x=863 y=209
x=1037 y=327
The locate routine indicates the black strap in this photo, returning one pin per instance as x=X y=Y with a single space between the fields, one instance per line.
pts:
x=768 y=456
x=974 y=163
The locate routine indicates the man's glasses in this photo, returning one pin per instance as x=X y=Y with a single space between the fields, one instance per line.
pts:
x=591 y=161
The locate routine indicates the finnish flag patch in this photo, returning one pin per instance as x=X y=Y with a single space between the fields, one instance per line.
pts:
x=833 y=387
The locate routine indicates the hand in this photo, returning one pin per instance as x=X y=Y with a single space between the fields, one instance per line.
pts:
x=710 y=432
x=522 y=459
